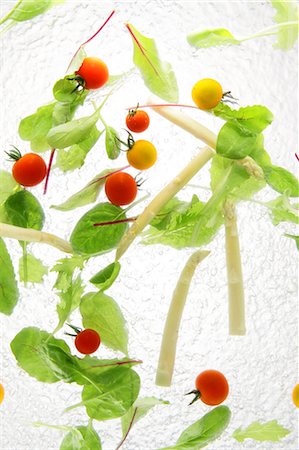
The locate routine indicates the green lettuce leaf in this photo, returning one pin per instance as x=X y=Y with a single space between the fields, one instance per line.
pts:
x=158 y=75
x=295 y=238
x=24 y=210
x=8 y=186
x=34 y=128
x=112 y=143
x=102 y=314
x=36 y=270
x=235 y=142
x=286 y=11
x=27 y=9
x=283 y=211
x=81 y=438
x=212 y=38
x=112 y=394
x=90 y=240
x=281 y=180
x=252 y=119
x=9 y=293
x=269 y=431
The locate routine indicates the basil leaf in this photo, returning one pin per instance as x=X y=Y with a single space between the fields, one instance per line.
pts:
x=106 y=277
x=35 y=269
x=27 y=346
x=269 y=431
x=24 y=210
x=112 y=143
x=138 y=410
x=102 y=314
x=158 y=75
x=81 y=438
x=90 y=240
x=281 y=180
x=234 y=143
x=112 y=394
x=9 y=294
x=204 y=431
x=74 y=157
x=34 y=128
x=72 y=132
x=211 y=38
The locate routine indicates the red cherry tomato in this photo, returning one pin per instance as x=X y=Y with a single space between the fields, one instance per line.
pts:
x=29 y=170
x=137 y=120
x=121 y=188
x=212 y=387
x=87 y=341
x=94 y=72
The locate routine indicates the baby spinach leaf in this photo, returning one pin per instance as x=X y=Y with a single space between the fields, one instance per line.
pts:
x=158 y=75
x=27 y=346
x=106 y=277
x=286 y=12
x=204 y=431
x=35 y=269
x=24 y=210
x=212 y=38
x=283 y=211
x=8 y=286
x=252 y=119
x=73 y=132
x=73 y=157
x=90 y=240
x=8 y=186
x=112 y=394
x=102 y=314
x=27 y=9
x=138 y=410
x=34 y=128
x=269 y=431
x=88 y=194
x=81 y=438
x=236 y=143
x=112 y=143
x=281 y=180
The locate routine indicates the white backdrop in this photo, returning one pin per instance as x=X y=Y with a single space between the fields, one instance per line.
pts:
x=262 y=366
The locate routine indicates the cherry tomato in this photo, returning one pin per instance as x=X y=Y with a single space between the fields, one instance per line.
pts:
x=28 y=170
x=94 y=73
x=207 y=93
x=1 y=393
x=142 y=155
x=121 y=188
x=87 y=341
x=212 y=386
x=295 y=395
x=137 y=120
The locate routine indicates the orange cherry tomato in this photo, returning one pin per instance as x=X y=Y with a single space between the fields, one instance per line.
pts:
x=121 y=188
x=137 y=120
x=94 y=73
x=1 y=393
x=87 y=341
x=29 y=170
x=295 y=395
x=142 y=155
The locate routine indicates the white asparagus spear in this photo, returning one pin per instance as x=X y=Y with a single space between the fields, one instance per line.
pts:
x=172 y=324
x=30 y=235
x=234 y=272
x=163 y=197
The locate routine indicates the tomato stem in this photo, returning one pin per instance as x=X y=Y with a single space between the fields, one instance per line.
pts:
x=114 y=222
x=49 y=169
x=197 y=395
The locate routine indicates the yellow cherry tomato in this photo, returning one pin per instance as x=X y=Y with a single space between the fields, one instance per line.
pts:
x=1 y=393
x=295 y=395
x=142 y=155
x=207 y=93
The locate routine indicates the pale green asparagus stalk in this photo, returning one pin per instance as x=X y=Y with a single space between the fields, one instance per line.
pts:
x=172 y=324
x=234 y=272
x=163 y=197
x=30 y=235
